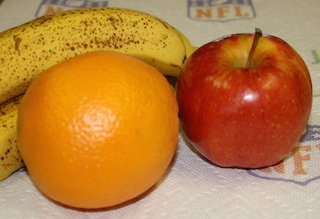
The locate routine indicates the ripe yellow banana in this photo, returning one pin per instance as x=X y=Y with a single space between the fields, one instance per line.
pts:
x=29 y=49
x=189 y=47
x=10 y=159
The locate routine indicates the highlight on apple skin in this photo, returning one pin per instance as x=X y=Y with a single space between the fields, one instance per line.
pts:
x=244 y=100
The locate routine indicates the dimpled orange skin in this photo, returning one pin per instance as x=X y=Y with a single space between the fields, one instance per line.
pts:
x=98 y=129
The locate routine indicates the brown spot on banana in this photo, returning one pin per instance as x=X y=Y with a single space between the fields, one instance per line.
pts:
x=17 y=42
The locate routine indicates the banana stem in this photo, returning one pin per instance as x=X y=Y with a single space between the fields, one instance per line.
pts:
x=257 y=35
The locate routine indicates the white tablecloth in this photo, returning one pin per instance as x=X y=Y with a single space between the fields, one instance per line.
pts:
x=193 y=188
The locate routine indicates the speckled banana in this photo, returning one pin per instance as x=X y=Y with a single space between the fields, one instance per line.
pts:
x=29 y=49
x=10 y=159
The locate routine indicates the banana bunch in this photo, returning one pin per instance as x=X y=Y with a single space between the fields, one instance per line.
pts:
x=31 y=48
x=10 y=159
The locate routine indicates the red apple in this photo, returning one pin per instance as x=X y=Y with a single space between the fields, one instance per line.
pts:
x=244 y=100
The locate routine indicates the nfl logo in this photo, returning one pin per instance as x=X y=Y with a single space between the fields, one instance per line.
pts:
x=51 y=6
x=302 y=167
x=220 y=10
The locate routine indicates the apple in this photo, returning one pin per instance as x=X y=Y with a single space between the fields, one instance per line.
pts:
x=244 y=100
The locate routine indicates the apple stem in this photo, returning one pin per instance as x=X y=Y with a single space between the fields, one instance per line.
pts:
x=257 y=35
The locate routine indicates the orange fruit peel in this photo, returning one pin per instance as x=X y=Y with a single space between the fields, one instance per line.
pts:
x=98 y=129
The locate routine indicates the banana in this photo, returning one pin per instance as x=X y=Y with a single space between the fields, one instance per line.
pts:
x=188 y=46
x=10 y=159
x=31 y=48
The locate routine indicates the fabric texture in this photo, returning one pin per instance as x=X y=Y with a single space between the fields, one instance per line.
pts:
x=193 y=187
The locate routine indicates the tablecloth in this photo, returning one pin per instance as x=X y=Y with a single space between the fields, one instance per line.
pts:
x=194 y=188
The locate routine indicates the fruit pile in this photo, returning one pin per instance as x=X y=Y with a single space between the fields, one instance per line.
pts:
x=97 y=124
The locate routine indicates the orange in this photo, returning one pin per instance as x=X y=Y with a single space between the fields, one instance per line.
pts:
x=98 y=129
